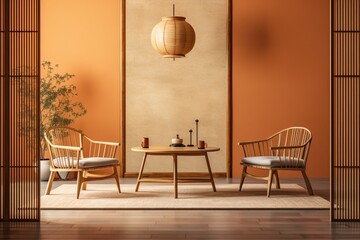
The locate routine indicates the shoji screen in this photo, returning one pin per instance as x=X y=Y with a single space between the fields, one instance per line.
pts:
x=19 y=110
x=345 y=84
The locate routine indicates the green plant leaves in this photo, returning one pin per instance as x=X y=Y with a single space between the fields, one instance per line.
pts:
x=58 y=104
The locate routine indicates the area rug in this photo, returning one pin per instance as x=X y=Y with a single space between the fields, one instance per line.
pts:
x=191 y=196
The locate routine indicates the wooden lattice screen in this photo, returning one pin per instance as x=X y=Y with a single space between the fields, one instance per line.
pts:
x=345 y=91
x=19 y=109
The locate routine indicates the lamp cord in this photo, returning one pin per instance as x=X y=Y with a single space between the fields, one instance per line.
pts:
x=173 y=16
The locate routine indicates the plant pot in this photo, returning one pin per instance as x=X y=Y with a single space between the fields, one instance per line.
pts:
x=44 y=169
x=63 y=175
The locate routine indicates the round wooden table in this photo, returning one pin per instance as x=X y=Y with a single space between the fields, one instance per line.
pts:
x=175 y=152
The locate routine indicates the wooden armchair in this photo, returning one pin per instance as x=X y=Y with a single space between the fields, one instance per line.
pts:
x=66 y=150
x=285 y=150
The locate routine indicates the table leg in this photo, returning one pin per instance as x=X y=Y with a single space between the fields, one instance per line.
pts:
x=141 y=172
x=175 y=177
x=210 y=173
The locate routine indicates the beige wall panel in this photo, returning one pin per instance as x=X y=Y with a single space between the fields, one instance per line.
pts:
x=164 y=97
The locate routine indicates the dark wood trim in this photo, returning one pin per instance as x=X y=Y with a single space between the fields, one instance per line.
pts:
x=123 y=92
x=332 y=108
x=123 y=88
x=38 y=106
x=6 y=114
x=170 y=174
x=230 y=105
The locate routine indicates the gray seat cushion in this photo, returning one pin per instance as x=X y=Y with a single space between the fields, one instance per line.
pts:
x=273 y=161
x=86 y=162
x=97 y=162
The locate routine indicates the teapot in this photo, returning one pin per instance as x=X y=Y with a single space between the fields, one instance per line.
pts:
x=176 y=140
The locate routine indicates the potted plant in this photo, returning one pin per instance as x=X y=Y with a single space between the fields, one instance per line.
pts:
x=58 y=106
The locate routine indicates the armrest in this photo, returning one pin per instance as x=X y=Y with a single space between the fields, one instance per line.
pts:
x=286 y=147
x=102 y=142
x=101 y=148
x=72 y=148
x=252 y=142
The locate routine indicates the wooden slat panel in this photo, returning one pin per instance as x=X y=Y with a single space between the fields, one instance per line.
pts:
x=2 y=55
x=3 y=109
x=20 y=194
x=345 y=87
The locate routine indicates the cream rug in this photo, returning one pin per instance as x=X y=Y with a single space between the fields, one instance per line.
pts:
x=191 y=196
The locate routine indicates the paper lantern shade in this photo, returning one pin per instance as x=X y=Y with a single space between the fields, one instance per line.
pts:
x=173 y=37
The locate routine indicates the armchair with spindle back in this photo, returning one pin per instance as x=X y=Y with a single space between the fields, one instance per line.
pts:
x=285 y=150
x=66 y=148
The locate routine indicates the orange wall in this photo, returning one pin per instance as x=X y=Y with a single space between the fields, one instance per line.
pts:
x=280 y=67
x=83 y=37
x=281 y=72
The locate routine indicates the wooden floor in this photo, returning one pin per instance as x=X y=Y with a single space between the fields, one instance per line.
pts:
x=180 y=224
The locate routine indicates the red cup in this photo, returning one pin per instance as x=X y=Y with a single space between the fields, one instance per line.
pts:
x=202 y=144
x=145 y=142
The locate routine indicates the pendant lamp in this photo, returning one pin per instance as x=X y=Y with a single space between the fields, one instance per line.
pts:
x=173 y=37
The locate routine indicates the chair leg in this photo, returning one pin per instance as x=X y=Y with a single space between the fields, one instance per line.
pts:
x=277 y=181
x=50 y=182
x=307 y=182
x=79 y=182
x=270 y=178
x=243 y=175
x=116 y=175
x=84 y=184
